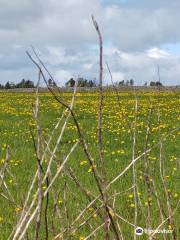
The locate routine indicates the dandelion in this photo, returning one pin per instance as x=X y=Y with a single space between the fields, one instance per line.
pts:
x=130 y=196
x=111 y=213
x=2 y=160
x=83 y=162
x=175 y=195
x=60 y=201
x=17 y=209
x=170 y=227
x=132 y=205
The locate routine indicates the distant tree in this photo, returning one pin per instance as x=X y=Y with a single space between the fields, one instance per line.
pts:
x=70 y=83
x=1 y=86
x=155 y=84
x=50 y=82
x=152 y=84
x=21 y=84
x=12 y=85
x=25 y=84
x=28 y=84
x=158 y=83
x=122 y=83
x=91 y=83
x=131 y=82
x=8 y=85
x=81 y=82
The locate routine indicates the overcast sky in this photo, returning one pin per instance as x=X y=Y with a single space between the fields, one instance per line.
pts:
x=138 y=35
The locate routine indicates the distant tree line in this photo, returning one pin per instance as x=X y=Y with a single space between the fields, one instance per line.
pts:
x=22 y=84
x=125 y=83
x=81 y=82
x=156 y=84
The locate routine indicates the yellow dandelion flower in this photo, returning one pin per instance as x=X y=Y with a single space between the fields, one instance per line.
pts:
x=176 y=195
x=130 y=196
x=170 y=227
x=18 y=209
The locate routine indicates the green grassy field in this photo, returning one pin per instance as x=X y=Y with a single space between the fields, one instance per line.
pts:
x=118 y=125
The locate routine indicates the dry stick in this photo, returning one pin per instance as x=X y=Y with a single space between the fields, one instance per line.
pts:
x=100 y=227
x=146 y=162
x=85 y=146
x=27 y=212
x=45 y=68
x=38 y=156
x=5 y=164
x=83 y=190
x=82 y=140
x=86 y=221
x=33 y=202
x=47 y=190
x=163 y=222
x=114 y=207
x=34 y=179
x=94 y=231
x=46 y=210
x=81 y=137
x=39 y=174
x=3 y=170
x=31 y=187
x=35 y=176
x=56 y=211
x=65 y=208
x=170 y=220
x=107 y=215
x=161 y=210
x=118 y=98
x=88 y=194
x=137 y=158
x=134 y=169
x=59 y=138
x=122 y=173
x=100 y=144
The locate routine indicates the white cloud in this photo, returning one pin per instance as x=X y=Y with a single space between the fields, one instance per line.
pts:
x=62 y=76
x=64 y=34
x=157 y=53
